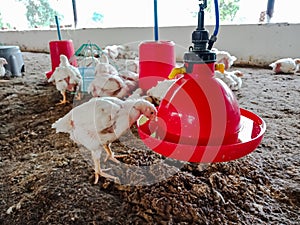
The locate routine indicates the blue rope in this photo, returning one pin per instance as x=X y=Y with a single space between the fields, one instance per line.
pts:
x=216 y=31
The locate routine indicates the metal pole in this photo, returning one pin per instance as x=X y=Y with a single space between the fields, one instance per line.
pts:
x=74 y=12
x=155 y=21
x=270 y=10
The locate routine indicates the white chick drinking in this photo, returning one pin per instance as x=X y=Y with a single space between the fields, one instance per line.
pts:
x=231 y=79
x=66 y=78
x=2 y=68
x=224 y=57
x=155 y=94
x=97 y=123
x=285 y=65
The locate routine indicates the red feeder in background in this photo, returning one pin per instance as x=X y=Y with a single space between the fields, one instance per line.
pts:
x=60 y=47
x=156 y=61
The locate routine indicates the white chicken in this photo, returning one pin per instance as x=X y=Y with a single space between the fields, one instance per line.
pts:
x=89 y=61
x=104 y=67
x=2 y=68
x=131 y=80
x=139 y=93
x=158 y=92
x=155 y=94
x=108 y=82
x=114 y=51
x=285 y=65
x=127 y=64
x=129 y=75
x=66 y=78
x=224 y=57
x=120 y=52
x=97 y=123
x=132 y=65
x=231 y=79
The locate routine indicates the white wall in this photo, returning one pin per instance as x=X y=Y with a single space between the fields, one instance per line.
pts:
x=251 y=44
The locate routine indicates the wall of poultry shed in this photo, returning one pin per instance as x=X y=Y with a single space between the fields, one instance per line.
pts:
x=255 y=44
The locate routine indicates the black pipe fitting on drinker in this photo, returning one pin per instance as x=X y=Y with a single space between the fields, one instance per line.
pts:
x=200 y=35
x=199 y=53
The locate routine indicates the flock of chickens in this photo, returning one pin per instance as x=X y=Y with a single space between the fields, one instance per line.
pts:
x=110 y=112
x=117 y=102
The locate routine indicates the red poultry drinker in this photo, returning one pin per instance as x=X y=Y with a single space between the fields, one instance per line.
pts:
x=199 y=119
x=156 y=61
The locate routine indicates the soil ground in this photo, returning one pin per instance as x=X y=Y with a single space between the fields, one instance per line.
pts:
x=45 y=178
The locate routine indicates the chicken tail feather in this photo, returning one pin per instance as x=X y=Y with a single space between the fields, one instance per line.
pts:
x=64 y=124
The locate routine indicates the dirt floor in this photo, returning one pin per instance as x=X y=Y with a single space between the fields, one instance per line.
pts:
x=47 y=179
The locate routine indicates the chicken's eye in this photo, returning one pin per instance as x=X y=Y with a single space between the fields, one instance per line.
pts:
x=152 y=113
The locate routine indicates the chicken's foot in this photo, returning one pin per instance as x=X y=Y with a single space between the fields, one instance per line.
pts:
x=78 y=96
x=99 y=172
x=64 y=100
x=102 y=174
x=110 y=155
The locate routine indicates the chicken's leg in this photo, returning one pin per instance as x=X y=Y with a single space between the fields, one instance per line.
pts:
x=98 y=171
x=78 y=93
x=110 y=154
x=64 y=100
x=78 y=96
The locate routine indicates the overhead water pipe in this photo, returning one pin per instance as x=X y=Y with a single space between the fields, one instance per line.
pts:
x=155 y=21
x=74 y=12
x=200 y=53
x=213 y=37
x=57 y=27
x=270 y=10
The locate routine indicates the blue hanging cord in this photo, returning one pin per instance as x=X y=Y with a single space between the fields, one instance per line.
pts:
x=216 y=31
x=213 y=37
